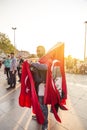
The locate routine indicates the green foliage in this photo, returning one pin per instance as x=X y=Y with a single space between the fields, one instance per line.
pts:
x=5 y=44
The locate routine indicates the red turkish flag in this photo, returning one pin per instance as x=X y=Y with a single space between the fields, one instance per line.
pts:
x=57 y=53
x=51 y=93
x=28 y=96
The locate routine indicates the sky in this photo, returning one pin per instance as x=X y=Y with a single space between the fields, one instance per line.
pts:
x=45 y=22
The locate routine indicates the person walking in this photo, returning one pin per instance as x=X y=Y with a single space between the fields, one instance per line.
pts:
x=19 y=66
x=41 y=52
x=39 y=74
x=13 y=69
x=43 y=83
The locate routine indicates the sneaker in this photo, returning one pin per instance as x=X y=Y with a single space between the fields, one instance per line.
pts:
x=9 y=87
x=45 y=129
x=19 y=80
x=13 y=86
x=34 y=117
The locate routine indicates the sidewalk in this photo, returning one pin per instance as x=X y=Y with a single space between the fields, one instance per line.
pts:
x=76 y=116
x=14 y=117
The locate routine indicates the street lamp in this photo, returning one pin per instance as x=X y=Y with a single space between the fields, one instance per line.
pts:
x=85 y=40
x=14 y=28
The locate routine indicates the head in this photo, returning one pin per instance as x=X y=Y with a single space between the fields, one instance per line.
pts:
x=40 y=51
x=12 y=54
x=19 y=57
x=8 y=56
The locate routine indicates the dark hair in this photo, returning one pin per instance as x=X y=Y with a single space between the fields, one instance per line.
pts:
x=8 y=55
x=12 y=53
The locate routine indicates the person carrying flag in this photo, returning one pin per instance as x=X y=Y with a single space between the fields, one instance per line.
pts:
x=39 y=74
x=55 y=93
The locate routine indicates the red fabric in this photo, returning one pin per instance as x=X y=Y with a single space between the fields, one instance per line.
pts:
x=56 y=53
x=28 y=96
x=51 y=94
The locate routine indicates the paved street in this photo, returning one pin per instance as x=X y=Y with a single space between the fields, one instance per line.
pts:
x=14 y=117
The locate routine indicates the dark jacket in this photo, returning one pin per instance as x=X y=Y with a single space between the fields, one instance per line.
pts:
x=39 y=73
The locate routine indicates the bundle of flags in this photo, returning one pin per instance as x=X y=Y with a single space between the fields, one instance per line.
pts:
x=28 y=96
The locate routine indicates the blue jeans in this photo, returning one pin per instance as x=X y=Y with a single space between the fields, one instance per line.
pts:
x=45 y=112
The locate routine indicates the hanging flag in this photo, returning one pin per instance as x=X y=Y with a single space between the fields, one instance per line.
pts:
x=28 y=96
x=52 y=95
x=57 y=53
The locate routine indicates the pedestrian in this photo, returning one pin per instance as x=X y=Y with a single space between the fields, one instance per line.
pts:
x=7 y=64
x=0 y=63
x=13 y=70
x=19 y=66
x=43 y=83
x=39 y=75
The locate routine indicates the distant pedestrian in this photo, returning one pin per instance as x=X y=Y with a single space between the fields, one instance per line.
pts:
x=7 y=63
x=13 y=70
x=19 y=66
x=0 y=63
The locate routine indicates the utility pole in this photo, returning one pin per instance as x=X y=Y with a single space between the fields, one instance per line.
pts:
x=85 y=40
x=14 y=28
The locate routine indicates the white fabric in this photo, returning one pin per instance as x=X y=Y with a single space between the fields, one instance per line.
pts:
x=41 y=89
x=54 y=61
x=58 y=83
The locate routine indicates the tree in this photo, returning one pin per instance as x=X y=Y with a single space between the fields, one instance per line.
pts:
x=5 y=44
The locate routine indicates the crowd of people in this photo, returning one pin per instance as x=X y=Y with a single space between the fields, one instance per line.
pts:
x=12 y=67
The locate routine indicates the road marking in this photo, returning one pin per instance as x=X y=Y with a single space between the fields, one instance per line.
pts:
x=20 y=120
x=28 y=122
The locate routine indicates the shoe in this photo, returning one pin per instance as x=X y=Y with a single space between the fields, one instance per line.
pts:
x=13 y=86
x=19 y=80
x=9 y=87
x=45 y=129
x=34 y=117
